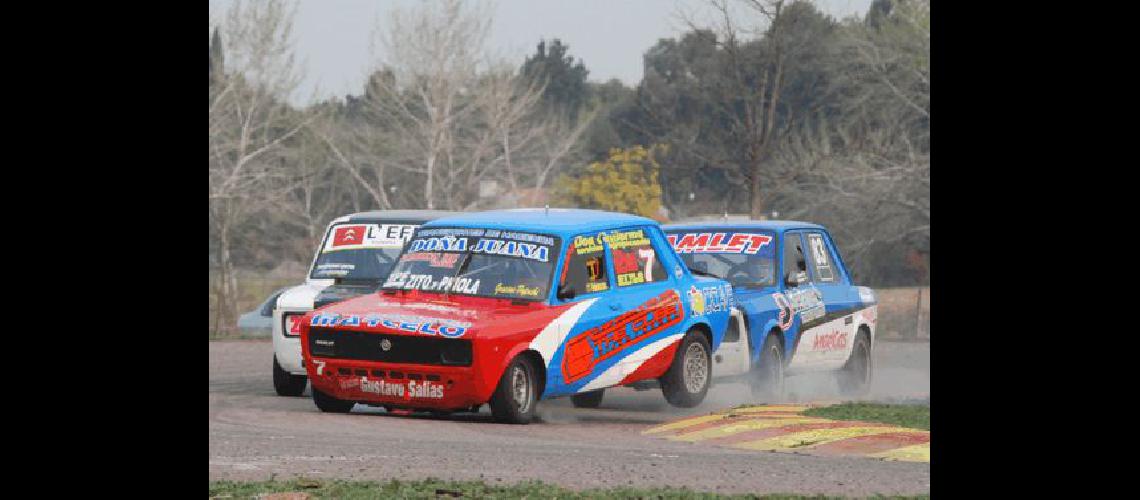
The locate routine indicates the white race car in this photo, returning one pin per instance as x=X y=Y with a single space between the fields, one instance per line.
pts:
x=354 y=258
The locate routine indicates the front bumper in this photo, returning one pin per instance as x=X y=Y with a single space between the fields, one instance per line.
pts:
x=399 y=385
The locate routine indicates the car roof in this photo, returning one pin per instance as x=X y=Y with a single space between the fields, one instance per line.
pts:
x=399 y=215
x=770 y=225
x=555 y=221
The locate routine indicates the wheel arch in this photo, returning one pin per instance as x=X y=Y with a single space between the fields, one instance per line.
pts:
x=539 y=369
x=706 y=331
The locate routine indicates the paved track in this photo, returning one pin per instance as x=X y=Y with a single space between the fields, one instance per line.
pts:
x=255 y=434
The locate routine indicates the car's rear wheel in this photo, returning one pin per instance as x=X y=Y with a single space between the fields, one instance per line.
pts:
x=856 y=376
x=329 y=404
x=767 y=379
x=516 y=396
x=285 y=383
x=688 y=378
x=588 y=399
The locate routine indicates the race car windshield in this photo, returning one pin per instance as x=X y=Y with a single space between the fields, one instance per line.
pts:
x=476 y=262
x=360 y=251
x=364 y=264
x=746 y=259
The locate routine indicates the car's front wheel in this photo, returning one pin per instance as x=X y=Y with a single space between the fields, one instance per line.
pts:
x=329 y=404
x=588 y=399
x=688 y=378
x=768 y=375
x=285 y=383
x=855 y=377
x=516 y=396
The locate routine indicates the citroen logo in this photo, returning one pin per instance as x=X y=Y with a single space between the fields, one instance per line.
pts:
x=386 y=345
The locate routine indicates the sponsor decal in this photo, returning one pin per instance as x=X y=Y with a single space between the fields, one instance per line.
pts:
x=414 y=389
x=352 y=236
x=381 y=387
x=348 y=235
x=819 y=256
x=531 y=251
x=427 y=282
x=833 y=341
x=521 y=290
x=585 y=350
x=620 y=240
x=786 y=315
x=438 y=244
x=865 y=294
x=696 y=301
x=746 y=243
x=677 y=271
x=711 y=299
x=335 y=269
x=587 y=244
x=410 y=324
x=807 y=302
x=633 y=256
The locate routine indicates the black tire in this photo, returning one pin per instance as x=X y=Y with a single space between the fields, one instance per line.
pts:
x=686 y=388
x=588 y=399
x=285 y=383
x=516 y=397
x=329 y=404
x=856 y=376
x=767 y=378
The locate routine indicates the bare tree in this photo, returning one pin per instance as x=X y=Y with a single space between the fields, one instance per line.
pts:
x=437 y=106
x=250 y=122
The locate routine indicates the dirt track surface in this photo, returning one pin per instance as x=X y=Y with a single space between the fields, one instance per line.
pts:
x=255 y=434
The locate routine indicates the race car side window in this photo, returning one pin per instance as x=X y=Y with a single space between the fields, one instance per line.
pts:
x=585 y=269
x=793 y=254
x=822 y=264
x=635 y=257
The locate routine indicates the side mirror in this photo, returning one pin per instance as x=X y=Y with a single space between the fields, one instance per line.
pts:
x=566 y=292
x=796 y=278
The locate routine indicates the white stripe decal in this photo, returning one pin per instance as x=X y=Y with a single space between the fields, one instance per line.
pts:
x=551 y=337
x=618 y=371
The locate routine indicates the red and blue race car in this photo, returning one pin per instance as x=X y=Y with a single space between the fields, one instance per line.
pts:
x=509 y=307
x=796 y=309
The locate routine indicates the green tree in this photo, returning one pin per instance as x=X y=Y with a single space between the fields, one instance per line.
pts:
x=566 y=89
x=626 y=182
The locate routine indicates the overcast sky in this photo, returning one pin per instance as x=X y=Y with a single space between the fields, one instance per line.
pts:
x=610 y=36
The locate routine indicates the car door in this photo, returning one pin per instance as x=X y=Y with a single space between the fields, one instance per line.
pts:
x=586 y=276
x=651 y=308
x=825 y=335
x=833 y=336
x=804 y=301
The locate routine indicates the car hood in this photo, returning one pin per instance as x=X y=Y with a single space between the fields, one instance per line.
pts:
x=302 y=296
x=414 y=313
x=344 y=290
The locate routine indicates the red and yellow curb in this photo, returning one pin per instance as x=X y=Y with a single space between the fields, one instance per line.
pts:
x=783 y=428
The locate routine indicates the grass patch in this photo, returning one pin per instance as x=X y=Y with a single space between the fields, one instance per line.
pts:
x=914 y=416
x=435 y=488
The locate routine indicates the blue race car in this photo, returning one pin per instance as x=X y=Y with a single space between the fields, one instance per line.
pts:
x=796 y=308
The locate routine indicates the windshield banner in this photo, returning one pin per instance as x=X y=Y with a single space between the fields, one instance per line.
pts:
x=746 y=243
x=357 y=236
